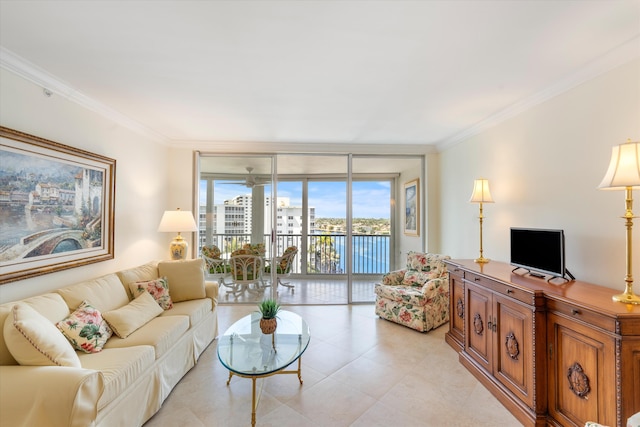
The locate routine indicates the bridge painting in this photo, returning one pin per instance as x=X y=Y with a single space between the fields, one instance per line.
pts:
x=56 y=206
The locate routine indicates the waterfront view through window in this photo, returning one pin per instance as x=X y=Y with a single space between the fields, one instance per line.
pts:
x=339 y=218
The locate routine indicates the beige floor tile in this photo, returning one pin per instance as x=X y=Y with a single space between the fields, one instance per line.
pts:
x=358 y=370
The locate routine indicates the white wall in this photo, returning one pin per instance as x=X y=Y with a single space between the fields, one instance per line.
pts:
x=142 y=179
x=543 y=167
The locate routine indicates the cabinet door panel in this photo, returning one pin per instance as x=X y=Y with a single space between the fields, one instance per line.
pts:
x=478 y=334
x=514 y=356
x=582 y=363
x=456 y=289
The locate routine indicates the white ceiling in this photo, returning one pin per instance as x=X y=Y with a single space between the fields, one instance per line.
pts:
x=307 y=72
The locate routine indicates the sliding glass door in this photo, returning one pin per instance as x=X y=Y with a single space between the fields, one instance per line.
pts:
x=337 y=212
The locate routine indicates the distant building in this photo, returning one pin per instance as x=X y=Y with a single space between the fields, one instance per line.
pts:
x=235 y=215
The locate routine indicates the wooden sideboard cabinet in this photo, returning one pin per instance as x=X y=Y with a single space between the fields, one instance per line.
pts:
x=554 y=354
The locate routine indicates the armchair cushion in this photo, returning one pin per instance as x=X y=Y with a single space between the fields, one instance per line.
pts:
x=211 y=251
x=415 y=278
x=393 y=278
x=429 y=263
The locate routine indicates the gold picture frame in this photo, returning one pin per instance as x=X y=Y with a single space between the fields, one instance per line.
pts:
x=411 y=219
x=56 y=206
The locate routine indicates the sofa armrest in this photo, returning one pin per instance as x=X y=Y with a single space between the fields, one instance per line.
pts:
x=49 y=395
x=436 y=286
x=211 y=290
x=393 y=278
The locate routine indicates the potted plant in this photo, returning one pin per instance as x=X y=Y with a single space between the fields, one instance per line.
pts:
x=269 y=308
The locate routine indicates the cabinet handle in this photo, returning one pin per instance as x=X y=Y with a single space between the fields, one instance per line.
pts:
x=477 y=279
x=509 y=291
x=575 y=312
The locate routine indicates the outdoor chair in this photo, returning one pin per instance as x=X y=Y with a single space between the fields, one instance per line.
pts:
x=284 y=265
x=416 y=296
x=245 y=275
x=214 y=264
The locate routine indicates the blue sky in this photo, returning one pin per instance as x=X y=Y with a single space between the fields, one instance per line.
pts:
x=370 y=199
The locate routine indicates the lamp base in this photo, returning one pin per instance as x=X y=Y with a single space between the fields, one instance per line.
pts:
x=178 y=248
x=481 y=260
x=627 y=297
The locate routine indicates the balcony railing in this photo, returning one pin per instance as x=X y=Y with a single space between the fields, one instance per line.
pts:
x=324 y=253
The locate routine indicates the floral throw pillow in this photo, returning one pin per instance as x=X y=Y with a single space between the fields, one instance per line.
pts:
x=159 y=290
x=85 y=329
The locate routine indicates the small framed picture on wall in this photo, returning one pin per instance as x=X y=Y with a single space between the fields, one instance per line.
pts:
x=412 y=207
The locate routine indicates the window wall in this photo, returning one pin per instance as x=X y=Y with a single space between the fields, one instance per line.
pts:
x=338 y=210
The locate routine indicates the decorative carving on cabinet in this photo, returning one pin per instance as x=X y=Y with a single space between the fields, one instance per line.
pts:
x=578 y=381
x=460 y=308
x=478 y=326
x=511 y=344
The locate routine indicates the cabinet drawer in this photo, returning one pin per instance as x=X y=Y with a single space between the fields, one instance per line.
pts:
x=579 y=313
x=455 y=271
x=501 y=288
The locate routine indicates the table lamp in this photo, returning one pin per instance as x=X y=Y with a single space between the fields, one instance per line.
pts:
x=624 y=174
x=177 y=221
x=481 y=194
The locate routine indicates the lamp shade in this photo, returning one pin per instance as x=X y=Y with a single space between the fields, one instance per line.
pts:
x=177 y=221
x=481 y=193
x=624 y=167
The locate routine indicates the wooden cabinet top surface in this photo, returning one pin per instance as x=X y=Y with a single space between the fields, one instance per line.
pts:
x=578 y=293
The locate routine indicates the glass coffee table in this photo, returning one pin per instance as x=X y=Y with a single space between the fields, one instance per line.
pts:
x=246 y=352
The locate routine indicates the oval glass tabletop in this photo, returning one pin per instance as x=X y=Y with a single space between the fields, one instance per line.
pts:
x=246 y=351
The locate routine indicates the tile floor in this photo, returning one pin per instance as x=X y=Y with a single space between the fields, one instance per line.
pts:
x=309 y=291
x=358 y=370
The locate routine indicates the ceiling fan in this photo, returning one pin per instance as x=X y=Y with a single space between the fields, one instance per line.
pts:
x=250 y=181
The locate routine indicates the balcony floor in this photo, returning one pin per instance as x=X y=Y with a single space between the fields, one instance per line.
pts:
x=308 y=292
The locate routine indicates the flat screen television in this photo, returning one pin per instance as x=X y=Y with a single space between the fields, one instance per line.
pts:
x=539 y=250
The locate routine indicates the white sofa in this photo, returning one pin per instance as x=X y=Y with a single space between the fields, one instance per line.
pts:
x=126 y=382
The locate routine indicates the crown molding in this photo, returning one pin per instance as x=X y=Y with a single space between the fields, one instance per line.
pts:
x=31 y=72
x=615 y=58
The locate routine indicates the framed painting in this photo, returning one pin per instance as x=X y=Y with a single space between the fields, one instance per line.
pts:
x=412 y=207
x=56 y=206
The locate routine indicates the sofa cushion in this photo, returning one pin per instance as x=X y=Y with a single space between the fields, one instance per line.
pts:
x=105 y=293
x=85 y=329
x=127 y=319
x=120 y=367
x=158 y=288
x=195 y=310
x=161 y=333
x=50 y=305
x=142 y=273
x=186 y=278
x=33 y=340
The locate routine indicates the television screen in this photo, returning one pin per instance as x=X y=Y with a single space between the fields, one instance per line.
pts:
x=539 y=250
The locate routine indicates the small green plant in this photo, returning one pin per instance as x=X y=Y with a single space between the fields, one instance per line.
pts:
x=269 y=308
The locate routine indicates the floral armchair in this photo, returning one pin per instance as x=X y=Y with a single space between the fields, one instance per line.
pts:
x=416 y=296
